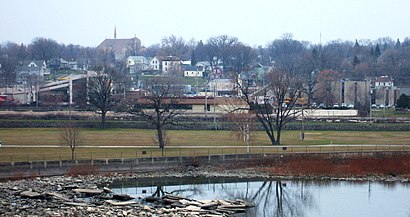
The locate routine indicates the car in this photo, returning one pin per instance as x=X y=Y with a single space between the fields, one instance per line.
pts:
x=350 y=106
x=321 y=105
x=381 y=106
x=336 y=106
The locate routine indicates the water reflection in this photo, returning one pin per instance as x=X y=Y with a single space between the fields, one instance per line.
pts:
x=285 y=198
x=275 y=198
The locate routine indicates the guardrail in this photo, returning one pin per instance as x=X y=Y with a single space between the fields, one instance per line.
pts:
x=125 y=152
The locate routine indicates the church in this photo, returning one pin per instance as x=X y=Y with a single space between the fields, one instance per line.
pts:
x=121 y=47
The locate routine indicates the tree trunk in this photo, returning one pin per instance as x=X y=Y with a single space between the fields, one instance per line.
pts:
x=161 y=141
x=278 y=132
x=72 y=154
x=272 y=139
x=103 y=114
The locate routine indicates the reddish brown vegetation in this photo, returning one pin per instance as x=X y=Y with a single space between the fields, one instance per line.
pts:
x=337 y=165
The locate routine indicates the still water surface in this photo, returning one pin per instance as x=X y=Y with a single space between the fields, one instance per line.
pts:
x=286 y=197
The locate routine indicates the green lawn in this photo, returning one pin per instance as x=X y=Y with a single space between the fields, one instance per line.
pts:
x=390 y=112
x=142 y=137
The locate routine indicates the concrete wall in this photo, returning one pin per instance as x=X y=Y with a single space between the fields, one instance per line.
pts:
x=64 y=167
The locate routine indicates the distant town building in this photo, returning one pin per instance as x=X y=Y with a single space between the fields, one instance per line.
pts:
x=385 y=93
x=120 y=47
x=33 y=67
x=137 y=64
x=222 y=87
x=193 y=71
x=165 y=64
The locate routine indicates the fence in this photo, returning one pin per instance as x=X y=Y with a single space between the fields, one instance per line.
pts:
x=136 y=152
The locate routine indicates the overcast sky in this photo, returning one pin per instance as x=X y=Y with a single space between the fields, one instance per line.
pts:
x=254 y=22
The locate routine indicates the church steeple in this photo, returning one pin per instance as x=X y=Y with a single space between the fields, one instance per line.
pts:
x=115 y=32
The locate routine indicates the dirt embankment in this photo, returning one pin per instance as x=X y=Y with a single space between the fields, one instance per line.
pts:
x=339 y=165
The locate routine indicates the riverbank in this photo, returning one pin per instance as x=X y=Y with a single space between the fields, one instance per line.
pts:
x=89 y=195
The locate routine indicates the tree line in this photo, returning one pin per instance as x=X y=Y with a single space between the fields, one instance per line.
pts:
x=352 y=60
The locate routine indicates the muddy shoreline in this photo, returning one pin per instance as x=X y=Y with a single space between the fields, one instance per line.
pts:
x=57 y=195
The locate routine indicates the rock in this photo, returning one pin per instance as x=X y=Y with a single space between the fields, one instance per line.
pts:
x=115 y=203
x=147 y=208
x=88 y=191
x=122 y=197
x=58 y=196
x=90 y=209
x=151 y=199
x=75 y=204
x=209 y=205
x=30 y=194
x=107 y=190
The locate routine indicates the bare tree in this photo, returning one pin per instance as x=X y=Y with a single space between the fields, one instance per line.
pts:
x=325 y=86
x=71 y=137
x=287 y=53
x=241 y=57
x=159 y=105
x=245 y=124
x=174 y=46
x=218 y=49
x=44 y=49
x=99 y=91
x=273 y=104
x=8 y=71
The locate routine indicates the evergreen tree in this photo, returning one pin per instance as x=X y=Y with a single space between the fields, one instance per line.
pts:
x=377 y=52
x=403 y=101
x=398 y=44
x=356 y=61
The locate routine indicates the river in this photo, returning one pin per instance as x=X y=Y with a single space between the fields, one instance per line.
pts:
x=285 y=197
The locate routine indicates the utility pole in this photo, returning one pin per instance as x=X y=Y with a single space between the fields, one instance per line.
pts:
x=302 y=130
x=70 y=89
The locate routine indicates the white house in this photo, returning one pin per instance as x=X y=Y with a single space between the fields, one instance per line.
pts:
x=193 y=71
x=137 y=63
x=155 y=64
x=33 y=67
x=170 y=63
x=205 y=64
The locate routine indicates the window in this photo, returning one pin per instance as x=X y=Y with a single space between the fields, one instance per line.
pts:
x=208 y=107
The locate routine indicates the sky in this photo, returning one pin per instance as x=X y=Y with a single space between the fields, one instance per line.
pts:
x=253 y=22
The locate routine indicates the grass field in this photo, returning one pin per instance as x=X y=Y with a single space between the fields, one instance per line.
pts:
x=390 y=112
x=139 y=137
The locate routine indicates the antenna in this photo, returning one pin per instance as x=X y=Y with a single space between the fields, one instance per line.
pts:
x=320 y=38
x=115 y=32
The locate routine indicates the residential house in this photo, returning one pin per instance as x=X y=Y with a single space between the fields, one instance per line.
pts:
x=137 y=64
x=165 y=64
x=155 y=64
x=33 y=67
x=170 y=64
x=204 y=64
x=62 y=64
x=73 y=65
x=193 y=71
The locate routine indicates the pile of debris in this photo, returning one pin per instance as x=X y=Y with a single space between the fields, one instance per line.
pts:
x=85 y=199
x=172 y=203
